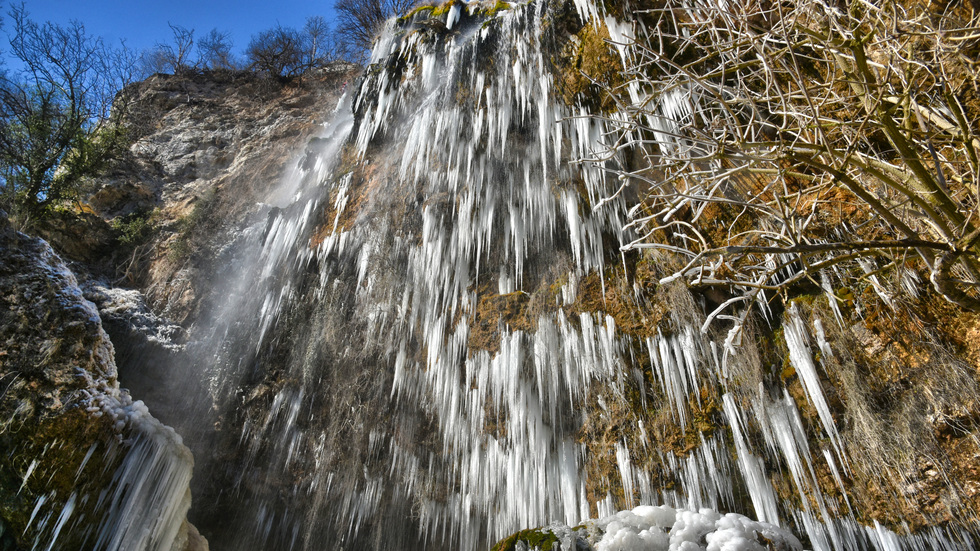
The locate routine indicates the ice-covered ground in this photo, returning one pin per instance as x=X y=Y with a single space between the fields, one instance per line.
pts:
x=662 y=528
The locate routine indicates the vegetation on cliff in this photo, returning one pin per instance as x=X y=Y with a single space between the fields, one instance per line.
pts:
x=56 y=125
x=781 y=146
x=817 y=162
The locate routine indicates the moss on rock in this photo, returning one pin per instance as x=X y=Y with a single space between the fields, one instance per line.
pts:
x=541 y=539
x=63 y=430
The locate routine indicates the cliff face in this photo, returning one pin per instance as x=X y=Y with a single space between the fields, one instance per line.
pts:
x=206 y=153
x=158 y=220
x=460 y=340
x=74 y=443
x=418 y=329
x=205 y=149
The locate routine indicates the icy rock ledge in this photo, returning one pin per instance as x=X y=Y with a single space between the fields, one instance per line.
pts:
x=657 y=528
x=82 y=465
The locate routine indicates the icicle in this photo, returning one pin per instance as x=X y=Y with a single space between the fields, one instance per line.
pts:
x=461 y=202
x=802 y=361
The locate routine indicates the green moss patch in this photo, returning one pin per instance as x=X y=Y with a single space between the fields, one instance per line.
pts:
x=541 y=539
x=66 y=455
x=588 y=69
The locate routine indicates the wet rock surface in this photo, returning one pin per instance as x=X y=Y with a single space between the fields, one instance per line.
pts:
x=69 y=436
x=146 y=345
x=47 y=329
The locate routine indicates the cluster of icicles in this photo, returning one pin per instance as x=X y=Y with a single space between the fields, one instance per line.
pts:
x=471 y=133
x=147 y=499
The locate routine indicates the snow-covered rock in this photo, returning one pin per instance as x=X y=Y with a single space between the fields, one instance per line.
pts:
x=658 y=528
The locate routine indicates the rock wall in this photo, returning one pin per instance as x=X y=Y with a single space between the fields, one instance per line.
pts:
x=151 y=237
x=206 y=149
x=84 y=466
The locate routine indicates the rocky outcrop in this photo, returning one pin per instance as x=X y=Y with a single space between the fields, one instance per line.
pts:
x=48 y=329
x=206 y=148
x=205 y=151
x=84 y=466
x=146 y=345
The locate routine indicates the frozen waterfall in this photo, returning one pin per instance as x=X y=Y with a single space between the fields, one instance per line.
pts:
x=406 y=359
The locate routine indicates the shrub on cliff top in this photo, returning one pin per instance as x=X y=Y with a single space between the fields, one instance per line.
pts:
x=360 y=21
x=284 y=52
x=56 y=126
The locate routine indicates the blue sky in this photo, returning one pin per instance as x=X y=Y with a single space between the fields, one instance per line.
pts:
x=143 y=23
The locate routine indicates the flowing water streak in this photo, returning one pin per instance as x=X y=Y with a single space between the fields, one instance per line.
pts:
x=146 y=501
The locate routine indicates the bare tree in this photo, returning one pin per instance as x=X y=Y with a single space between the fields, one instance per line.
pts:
x=277 y=51
x=172 y=57
x=56 y=124
x=319 y=45
x=360 y=21
x=214 y=51
x=284 y=52
x=152 y=61
x=783 y=144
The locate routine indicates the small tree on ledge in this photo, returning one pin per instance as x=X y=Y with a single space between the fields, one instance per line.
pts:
x=55 y=123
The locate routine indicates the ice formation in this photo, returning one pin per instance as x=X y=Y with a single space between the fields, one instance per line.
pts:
x=660 y=528
x=145 y=502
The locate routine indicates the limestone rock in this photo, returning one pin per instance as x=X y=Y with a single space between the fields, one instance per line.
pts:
x=75 y=445
x=47 y=329
x=207 y=149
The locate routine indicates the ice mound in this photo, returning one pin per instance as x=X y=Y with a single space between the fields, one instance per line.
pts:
x=658 y=528
x=652 y=528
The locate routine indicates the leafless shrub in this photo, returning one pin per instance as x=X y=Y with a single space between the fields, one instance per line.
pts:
x=360 y=21
x=214 y=51
x=284 y=52
x=174 y=57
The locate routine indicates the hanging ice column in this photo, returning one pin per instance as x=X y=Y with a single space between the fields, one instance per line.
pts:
x=464 y=193
x=484 y=146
